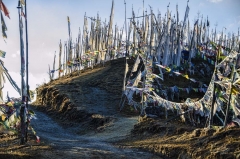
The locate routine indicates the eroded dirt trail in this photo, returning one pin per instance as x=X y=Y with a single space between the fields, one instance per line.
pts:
x=86 y=110
x=66 y=143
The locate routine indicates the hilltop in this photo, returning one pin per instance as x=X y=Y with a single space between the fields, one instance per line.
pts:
x=86 y=104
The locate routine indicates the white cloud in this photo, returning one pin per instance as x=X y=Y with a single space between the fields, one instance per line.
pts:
x=14 y=55
x=215 y=1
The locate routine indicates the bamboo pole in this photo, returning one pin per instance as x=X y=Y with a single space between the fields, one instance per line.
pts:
x=122 y=101
x=59 y=59
x=233 y=75
x=214 y=89
x=28 y=96
x=79 y=51
x=126 y=54
x=192 y=41
x=22 y=108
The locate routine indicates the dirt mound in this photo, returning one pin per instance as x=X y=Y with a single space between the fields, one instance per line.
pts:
x=98 y=122
x=89 y=98
x=150 y=127
x=177 y=140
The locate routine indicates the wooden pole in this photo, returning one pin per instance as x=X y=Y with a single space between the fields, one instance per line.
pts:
x=59 y=59
x=22 y=108
x=123 y=98
x=214 y=89
x=126 y=54
x=239 y=47
x=143 y=19
x=28 y=96
x=66 y=58
x=233 y=75
x=125 y=71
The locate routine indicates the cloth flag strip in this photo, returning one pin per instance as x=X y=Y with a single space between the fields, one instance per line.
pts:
x=2 y=54
x=69 y=31
x=4 y=27
x=12 y=82
x=9 y=116
x=4 y=9
x=201 y=106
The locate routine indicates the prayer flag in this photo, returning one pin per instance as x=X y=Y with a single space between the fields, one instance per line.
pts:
x=186 y=76
x=68 y=19
x=135 y=66
x=196 y=23
x=234 y=90
x=4 y=27
x=186 y=16
x=37 y=139
x=193 y=80
x=22 y=2
x=168 y=69
x=4 y=116
x=2 y=54
x=4 y=9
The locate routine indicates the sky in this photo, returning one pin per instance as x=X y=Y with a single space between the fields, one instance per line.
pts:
x=47 y=24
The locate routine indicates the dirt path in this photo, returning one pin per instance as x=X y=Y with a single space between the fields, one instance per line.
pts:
x=86 y=108
x=66 y=143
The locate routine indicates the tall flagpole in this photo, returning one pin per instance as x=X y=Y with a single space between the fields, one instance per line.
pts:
x=22 y=108
x=28 y=96
x=26 y=52
x=126 y=54
x=125 y=73
x=233 y=77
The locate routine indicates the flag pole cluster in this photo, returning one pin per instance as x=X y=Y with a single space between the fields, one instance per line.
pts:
x=161 y=47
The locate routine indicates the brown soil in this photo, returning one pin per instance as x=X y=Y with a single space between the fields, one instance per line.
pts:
x=178 y=140
x=86 y=107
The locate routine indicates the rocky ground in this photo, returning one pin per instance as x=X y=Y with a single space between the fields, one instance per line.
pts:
x=78 y=117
